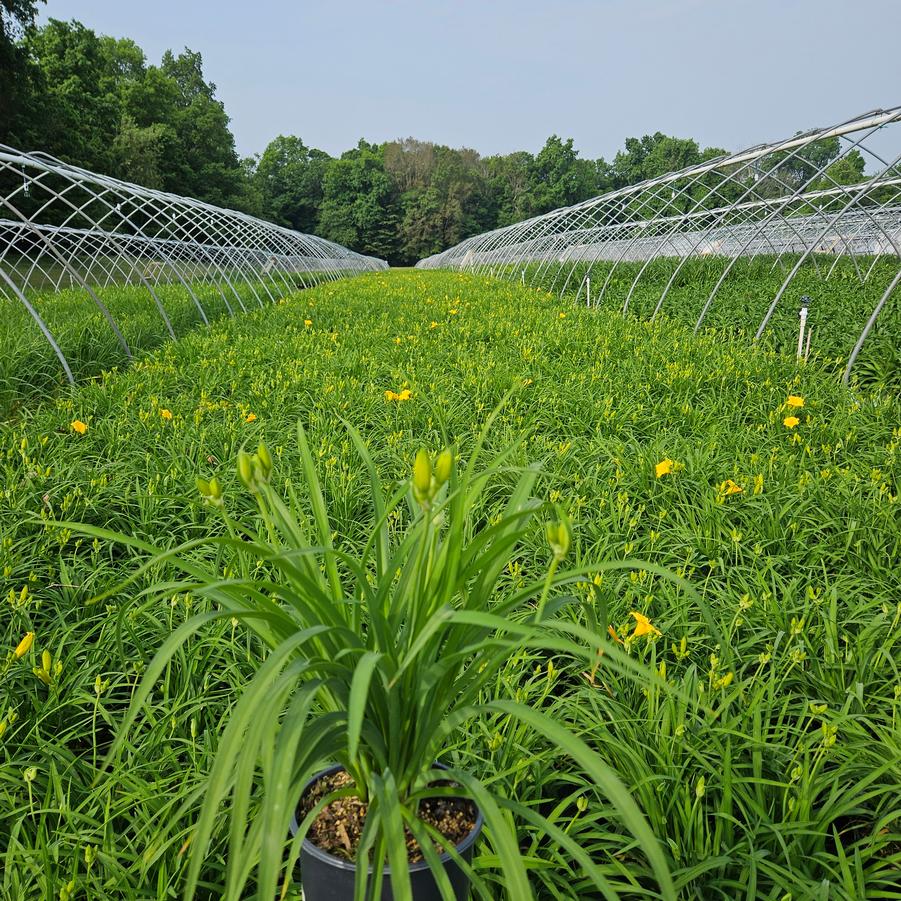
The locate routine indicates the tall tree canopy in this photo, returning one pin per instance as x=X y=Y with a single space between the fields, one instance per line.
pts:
x=290 y=179
x=16 y=18
x=358 y=205
x=94 y=101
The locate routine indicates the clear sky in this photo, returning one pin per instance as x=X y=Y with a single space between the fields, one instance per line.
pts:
x=502 y=76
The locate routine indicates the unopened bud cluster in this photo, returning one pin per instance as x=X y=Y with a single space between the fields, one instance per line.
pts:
x=254 y=470
x=428 y=478
x=558 y=538
x=210 y=490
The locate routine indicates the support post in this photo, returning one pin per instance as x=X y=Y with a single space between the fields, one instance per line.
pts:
x=805 y=302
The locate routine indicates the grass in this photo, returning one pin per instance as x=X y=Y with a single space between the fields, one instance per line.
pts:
x=768 y=765
x=30 y=368
x=843 y=294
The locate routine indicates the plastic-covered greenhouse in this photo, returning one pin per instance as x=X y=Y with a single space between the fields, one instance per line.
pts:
x=93 y=268
x=749 y=239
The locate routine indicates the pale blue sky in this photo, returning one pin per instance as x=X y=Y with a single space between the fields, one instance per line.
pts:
x=502 y=76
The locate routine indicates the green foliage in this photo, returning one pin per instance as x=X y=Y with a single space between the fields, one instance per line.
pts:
x=93 y=101
x=656 y=155
x=290 y=179
x=843 y=294
x=379 y=659
x=29 y=367
x=80 y=106
x=356 y=207
x=559 y=177
x=770 y=769
x=16 y=16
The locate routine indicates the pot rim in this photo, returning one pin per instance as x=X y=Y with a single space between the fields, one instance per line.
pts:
x=340 y=863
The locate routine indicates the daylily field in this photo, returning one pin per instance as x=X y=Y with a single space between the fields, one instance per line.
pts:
x=763 y=742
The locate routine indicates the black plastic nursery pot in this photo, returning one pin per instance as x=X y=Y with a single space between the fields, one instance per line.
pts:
x=325 y=877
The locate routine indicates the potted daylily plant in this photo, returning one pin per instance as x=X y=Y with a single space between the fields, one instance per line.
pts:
x=377 y=660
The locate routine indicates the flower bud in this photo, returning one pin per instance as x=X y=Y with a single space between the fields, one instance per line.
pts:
x=265 y=459
x=215 y=489
x=245 y=470
x=24 y=645
x=203 y=486
x=422 y=477
x=558 y=538
x=443 y=466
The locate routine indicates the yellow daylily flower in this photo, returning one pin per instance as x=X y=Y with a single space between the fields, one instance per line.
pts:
x=165 y=414
x=794 y=400
x=23 y=647
x=250 y=417
x=790 y=421
x=729 y=487
x=79 y=426
x=643 y=625
x=664 y=468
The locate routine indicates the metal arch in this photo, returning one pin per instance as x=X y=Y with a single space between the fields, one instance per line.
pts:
x=159 y=248
x=846 y=376
x=795 y=145
x=181 y=204
x=762 y=227
x=702 y=240
x=651 y=195
x=41 y=325
x=311 y=246
x=862 y=191
x=53 y=250
x=79 y=213
x=64 y=225
x=771 y=200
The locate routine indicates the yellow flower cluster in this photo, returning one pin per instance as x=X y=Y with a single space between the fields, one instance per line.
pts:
x=794 y=402
x=403 y=394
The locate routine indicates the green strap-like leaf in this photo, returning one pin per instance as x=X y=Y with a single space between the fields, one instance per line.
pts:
x=605 y=779
x=502 y=836
x=359 y=690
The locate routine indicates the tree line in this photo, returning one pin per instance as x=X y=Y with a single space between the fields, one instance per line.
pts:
x=95 y=101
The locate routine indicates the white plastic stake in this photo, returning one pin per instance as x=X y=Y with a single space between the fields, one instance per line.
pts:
x=807 y=349
x=524 y=276
x=803 y=315
x=587 y=291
